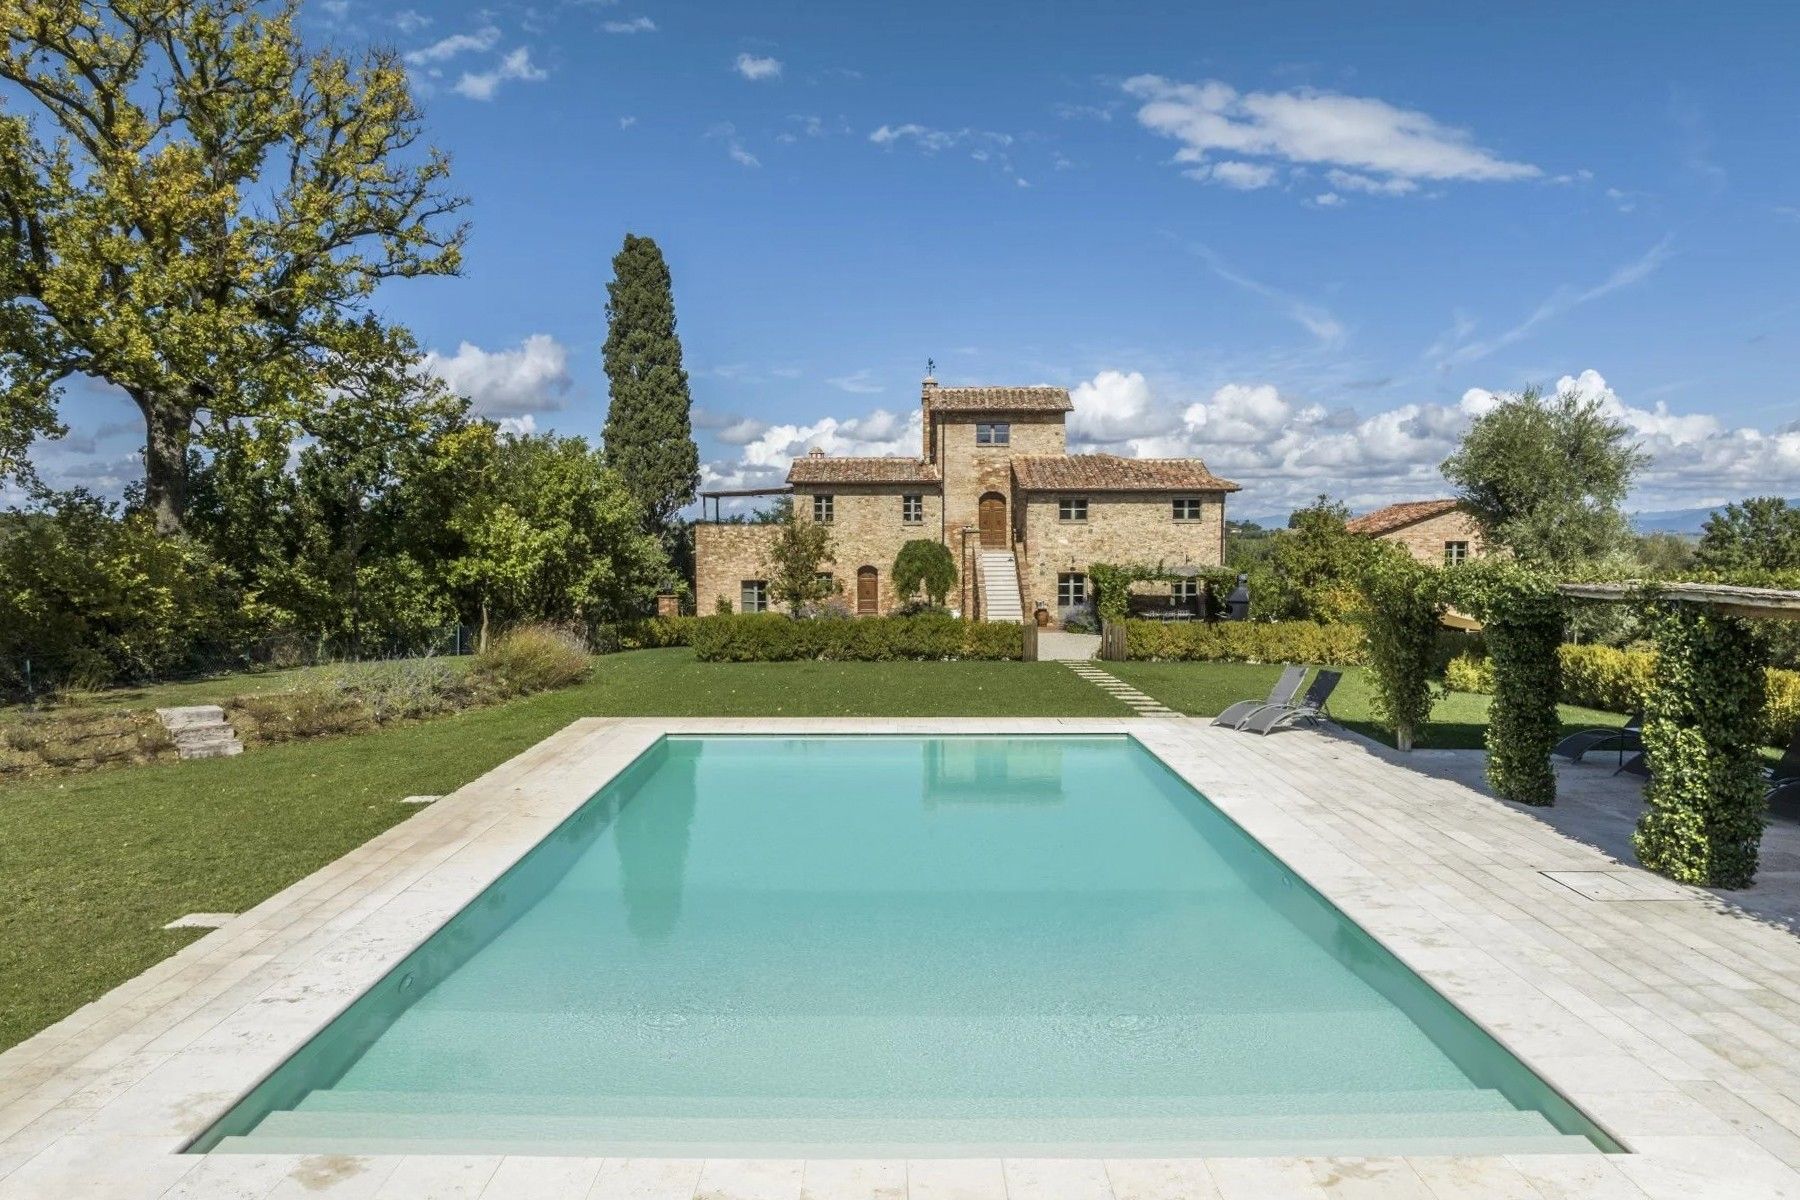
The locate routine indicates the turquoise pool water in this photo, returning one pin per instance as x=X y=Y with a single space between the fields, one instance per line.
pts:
x=882 y=946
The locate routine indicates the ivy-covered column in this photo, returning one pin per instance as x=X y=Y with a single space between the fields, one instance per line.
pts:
x=1522 y=615
x=1401 y=615
x=1702 y=726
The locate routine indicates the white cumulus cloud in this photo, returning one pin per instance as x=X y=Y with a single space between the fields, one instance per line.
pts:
x=757 y=67
x=1366 y=144
x=485 y=38
x=507 y=383
x=517 y=64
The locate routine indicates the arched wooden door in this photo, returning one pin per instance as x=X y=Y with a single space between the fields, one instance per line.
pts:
x=868 y=591
x=993 y=521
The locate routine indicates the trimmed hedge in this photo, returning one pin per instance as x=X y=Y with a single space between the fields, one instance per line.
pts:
x=650 y=633
x=1246 y=641
x=1621 y=680
x=770 y=637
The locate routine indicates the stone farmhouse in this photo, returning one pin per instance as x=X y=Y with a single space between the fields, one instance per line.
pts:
x=1436 y=532
x=994 y=482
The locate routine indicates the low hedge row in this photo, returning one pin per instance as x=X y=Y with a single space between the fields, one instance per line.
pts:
x=769 y=637
x=650 y=633
x=1620 y=681
x=1246 y=641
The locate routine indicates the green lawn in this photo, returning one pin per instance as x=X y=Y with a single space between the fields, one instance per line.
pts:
x=91 y=866
x=1204 y=689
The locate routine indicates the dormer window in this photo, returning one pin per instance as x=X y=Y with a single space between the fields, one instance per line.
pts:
x=993 y=433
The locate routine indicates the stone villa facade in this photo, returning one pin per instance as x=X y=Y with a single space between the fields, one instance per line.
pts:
x=1022 y=517
x=1436 y=532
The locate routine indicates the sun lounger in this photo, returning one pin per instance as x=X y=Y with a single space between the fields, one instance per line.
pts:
x=1624 y=739
x=1311 y=708
x=1284 y=691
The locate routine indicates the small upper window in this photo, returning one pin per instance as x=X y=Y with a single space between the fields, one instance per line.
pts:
x=912 y=509
x=1455 y=552
x=1187 y=508
x=753 y=596
x=1071 y=508
x=822 y=509
x=993 y=433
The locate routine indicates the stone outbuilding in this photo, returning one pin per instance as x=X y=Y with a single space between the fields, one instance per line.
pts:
x=994 y=482
x=1436 y=532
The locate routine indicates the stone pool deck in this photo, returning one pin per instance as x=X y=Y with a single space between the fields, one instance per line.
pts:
x=1670 y=1014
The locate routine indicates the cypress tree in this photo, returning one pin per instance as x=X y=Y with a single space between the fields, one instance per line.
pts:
x=649 y=436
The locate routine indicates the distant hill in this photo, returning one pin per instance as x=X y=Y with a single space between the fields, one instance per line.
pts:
x=1677 y=520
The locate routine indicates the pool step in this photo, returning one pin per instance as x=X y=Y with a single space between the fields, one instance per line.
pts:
x=747 y=1144
x=611 y=1132
x=489 y=1104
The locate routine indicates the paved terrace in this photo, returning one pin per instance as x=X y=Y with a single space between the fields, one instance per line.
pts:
x=1668 y=1013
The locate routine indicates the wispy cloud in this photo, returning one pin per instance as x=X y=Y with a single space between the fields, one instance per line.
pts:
x=1555 y=305
x=485 y=38
x=635 y=25
x=861 y=382
x=1230 y=137
x=755 y=67
x=933 y=140
x=1315 y=319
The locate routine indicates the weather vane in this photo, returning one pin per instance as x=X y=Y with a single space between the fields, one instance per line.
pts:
x=931 y=366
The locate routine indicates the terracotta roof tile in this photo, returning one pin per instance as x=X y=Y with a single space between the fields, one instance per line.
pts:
x=998 y=399
x=1110 y=473
x=1398 y=516
x=821 y=468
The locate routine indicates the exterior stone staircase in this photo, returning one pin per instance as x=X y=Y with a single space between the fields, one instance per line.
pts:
x=201 y=731
x=1000 y=586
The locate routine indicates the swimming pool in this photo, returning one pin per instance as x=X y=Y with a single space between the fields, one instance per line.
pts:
x=901 y=946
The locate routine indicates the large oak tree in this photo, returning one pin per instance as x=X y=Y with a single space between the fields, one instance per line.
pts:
x=197 y=210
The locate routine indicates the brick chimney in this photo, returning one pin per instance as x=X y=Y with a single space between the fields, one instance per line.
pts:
x=925 y=391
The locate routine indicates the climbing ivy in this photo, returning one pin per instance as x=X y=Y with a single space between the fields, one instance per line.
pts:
x=1112 y=584
x=1402 y=611
x=1523 y=617
x=1704 y=821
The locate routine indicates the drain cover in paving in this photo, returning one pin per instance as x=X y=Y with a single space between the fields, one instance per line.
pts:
x=1621 y=885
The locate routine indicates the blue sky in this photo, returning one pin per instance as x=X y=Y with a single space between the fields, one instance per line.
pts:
x=1304 y=241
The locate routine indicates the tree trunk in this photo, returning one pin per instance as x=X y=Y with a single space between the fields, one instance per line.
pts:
x=167 y=428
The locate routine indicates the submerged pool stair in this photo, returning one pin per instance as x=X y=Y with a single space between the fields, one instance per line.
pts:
x=1459 y=1121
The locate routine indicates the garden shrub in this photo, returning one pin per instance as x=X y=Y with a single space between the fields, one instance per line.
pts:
x=533 y=658
x=769 y=637
x=1402 y=610
x=1246 y=641
x=1705 y=816
x=650 y=633
x=1523 y=618
x=927 y=564
x=314 y=710
x=1467 y=673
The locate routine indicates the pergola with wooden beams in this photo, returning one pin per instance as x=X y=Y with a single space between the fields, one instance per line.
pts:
x=1753 y=602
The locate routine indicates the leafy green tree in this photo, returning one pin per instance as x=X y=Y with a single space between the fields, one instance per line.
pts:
x=351 y=543
x=1313 y=567
x=1758 y=534
x=649 y=437
x=793 y=561
x=926 y=564
x=200 y=213
x=553 y=535
x=91 y=598
x=1545 y=476
x=1662 y=555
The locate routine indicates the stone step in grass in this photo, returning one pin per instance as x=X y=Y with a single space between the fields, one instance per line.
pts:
x=201 y=731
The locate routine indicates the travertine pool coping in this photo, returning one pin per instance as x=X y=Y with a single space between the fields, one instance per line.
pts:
x=1675 y=1024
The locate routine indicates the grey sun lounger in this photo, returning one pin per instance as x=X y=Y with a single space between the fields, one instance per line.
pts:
x=1625 y=739
x=1311 y=708
x=1284 y=691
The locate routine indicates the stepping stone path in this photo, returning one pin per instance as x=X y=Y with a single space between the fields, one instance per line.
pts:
x=1142 y=705
x=201 y=731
